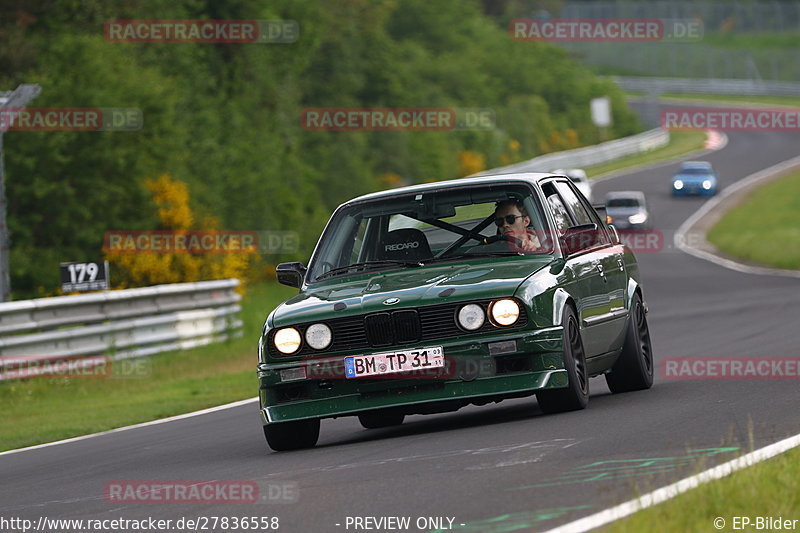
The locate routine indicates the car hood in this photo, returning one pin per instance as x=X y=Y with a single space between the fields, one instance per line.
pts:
x=415 y=286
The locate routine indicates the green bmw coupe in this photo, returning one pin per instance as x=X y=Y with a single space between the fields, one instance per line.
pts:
x=428 y=298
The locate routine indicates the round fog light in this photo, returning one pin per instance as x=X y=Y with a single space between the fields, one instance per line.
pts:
x=471 y=317
x=318 y=336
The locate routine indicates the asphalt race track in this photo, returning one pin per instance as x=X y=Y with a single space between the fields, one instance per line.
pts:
x=493 y=468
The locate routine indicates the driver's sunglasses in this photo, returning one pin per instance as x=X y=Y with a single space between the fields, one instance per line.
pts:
x=508 y=219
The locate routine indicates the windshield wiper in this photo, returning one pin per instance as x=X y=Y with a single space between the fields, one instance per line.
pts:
x=470 y=256
x=487 y=254
x=365 y=264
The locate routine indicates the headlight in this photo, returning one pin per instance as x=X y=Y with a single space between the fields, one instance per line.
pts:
x=318 y=336
x=706 y=184
x=505 y=312
x=638 y=218
x=287 y=340
x=678 y=184
x=471 y=317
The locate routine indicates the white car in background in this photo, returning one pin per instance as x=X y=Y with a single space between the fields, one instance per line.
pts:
x=579 y=178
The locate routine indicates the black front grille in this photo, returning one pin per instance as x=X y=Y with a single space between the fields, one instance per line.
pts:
x=379 y=329
x=403 y=326
x=406 y=326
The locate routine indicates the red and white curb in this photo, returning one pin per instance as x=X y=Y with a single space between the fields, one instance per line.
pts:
x=715 y=140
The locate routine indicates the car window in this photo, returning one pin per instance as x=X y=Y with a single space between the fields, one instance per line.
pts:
x=574 y=204
x=559 y=212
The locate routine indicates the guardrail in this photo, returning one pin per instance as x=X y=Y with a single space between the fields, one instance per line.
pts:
x=589 y=155
x=707 y=86
x=118 y=324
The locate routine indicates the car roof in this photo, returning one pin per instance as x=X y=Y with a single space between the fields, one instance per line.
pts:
x=696 y=164
x=614 y=195
x=571 y=172
x=519 y=177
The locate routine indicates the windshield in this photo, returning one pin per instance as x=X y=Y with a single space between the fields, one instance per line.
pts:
x=417 y=229
x=695 y=170
x=622 y=202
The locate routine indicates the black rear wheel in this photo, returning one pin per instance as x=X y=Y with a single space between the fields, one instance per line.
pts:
x=634 y=368
x=576 y=395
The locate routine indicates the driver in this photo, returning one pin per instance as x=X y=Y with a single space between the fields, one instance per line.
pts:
x=512 y=219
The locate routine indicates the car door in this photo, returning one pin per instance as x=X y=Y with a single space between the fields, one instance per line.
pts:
x=583 y=269
x=605 y=327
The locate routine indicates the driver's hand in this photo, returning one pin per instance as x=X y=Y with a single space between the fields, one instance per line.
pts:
x=530 y=242
x=524 y=241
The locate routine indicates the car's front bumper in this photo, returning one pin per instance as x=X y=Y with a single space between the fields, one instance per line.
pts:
x=692 y=189
x=536 y=362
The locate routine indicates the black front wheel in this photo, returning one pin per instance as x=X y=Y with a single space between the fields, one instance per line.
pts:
x=634 y=368
x=286 y=436
x=576 y=395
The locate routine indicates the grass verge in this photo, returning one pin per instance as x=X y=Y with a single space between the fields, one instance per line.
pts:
x=680 y=143
x=43 y=410
x=764 y=228
x=769 y=489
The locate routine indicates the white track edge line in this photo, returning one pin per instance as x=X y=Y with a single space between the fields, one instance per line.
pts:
x=135 y=426
x=679 y=487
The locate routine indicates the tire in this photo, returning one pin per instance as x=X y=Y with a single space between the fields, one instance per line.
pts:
x=576 y=395
x=378 y=419
x=634 y=368
x=286 y=436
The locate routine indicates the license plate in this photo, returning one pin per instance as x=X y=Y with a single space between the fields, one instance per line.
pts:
x=393 y=362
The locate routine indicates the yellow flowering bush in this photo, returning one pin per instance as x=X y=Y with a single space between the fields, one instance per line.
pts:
x=143 y=268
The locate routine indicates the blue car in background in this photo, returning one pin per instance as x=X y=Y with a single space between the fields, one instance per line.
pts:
x=695 y=178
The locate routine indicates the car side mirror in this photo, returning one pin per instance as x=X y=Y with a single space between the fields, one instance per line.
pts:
x=291 y=274
x=579 y=238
